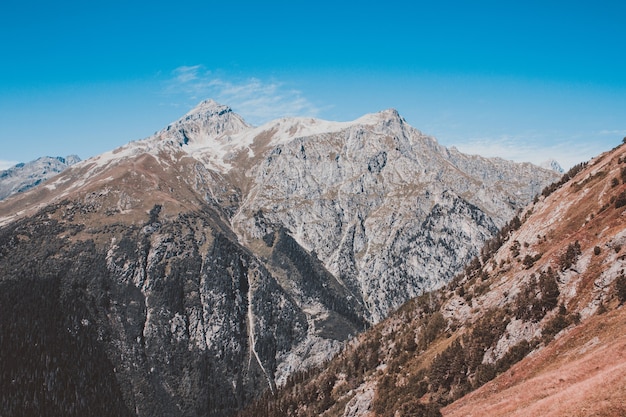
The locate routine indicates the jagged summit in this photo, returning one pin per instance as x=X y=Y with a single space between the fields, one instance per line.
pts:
x=225 y=122
x=388 y=115
x=553 y=165
x=207 y=121
x=214 y=133
x=209 y=107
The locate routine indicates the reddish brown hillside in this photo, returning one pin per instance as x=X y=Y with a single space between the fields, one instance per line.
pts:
x=582 y=373
x=579 y=231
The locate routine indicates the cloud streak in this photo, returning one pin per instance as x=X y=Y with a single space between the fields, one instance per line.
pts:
x=186 y=74
x=615 y=132
x=524 y=148
x=257 y=100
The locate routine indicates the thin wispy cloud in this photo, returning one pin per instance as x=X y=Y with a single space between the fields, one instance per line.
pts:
x=186 y=74
x=527 y=148
x=257 y=100
x=615 y=132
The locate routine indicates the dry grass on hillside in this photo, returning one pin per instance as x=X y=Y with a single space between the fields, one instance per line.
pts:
x=583 y=373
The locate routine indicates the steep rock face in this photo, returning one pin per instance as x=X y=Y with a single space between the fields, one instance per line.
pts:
x=189 y=321
x=213 y=260
x=25 y=176
x=376 y=198
x=533 y=326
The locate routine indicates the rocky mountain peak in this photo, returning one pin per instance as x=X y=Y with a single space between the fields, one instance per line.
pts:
x=553 y=165
x=208 y=107
x=390 y=114
x=205 y=122
x=382 y=119
x=69 y=160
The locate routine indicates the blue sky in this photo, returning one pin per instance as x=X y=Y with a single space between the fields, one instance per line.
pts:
x=525 y=81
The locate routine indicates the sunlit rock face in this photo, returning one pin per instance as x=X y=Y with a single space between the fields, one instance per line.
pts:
x=202 y=266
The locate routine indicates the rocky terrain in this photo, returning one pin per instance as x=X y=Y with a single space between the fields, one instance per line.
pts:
x=24 y=176
x=533 y=326
x=188 y=273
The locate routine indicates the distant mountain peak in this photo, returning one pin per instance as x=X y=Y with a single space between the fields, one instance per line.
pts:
x=209 y=107
x=69 y=160
x=553 y=165
x=24 y=176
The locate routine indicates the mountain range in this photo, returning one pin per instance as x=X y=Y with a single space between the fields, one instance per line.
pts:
x=534 y=326
x=188 y=273
x=24 y=176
